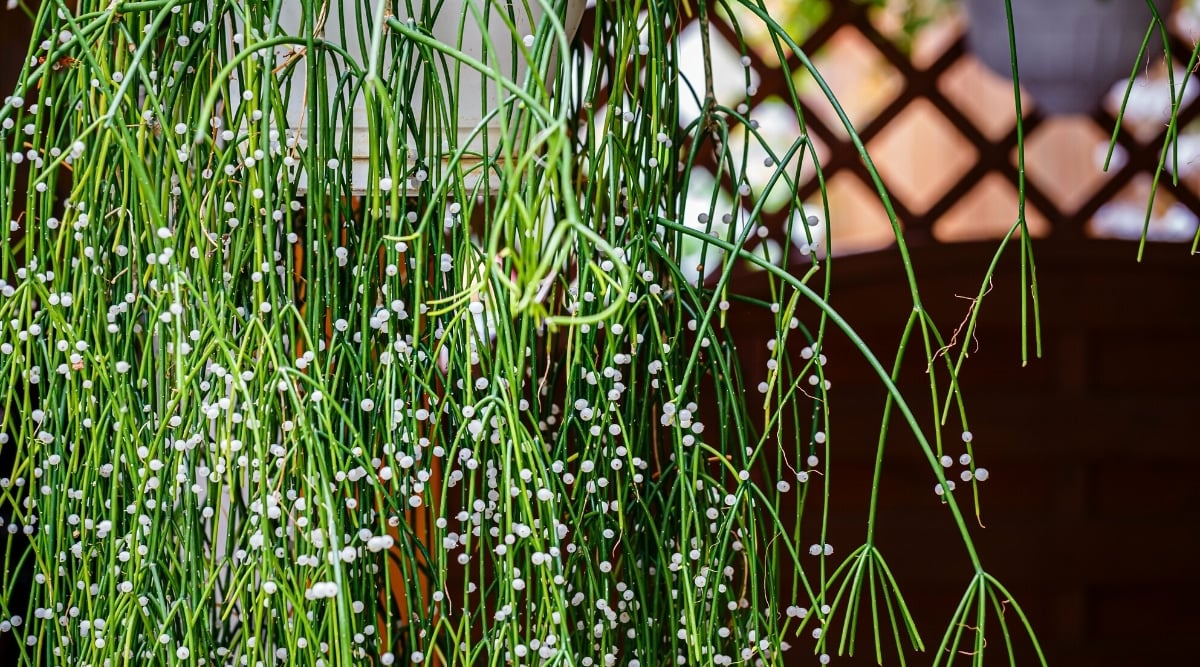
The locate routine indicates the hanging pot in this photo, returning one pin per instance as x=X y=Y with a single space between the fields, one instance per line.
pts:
x=459 y=24
x=1070 y=52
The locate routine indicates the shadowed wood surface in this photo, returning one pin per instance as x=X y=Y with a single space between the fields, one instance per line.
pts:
x=1092 y=502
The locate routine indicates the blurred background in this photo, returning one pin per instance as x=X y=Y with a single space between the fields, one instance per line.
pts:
x=1092 y=517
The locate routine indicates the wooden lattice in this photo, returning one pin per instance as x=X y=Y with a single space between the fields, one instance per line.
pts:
x=923 y=85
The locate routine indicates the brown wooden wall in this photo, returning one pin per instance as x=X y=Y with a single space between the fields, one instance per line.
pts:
x=1093 y=509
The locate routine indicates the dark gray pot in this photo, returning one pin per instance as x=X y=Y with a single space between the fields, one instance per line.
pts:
x=1070 y=52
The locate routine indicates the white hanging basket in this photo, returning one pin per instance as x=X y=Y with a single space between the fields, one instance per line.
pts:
x=1069 y=51
x=477 y=95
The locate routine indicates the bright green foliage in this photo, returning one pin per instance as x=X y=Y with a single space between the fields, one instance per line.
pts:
x=434 y=422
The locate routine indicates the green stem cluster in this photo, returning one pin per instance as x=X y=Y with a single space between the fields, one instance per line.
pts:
x=281 y=392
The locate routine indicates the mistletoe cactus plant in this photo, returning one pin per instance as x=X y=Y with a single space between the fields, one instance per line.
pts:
x=472 y=405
